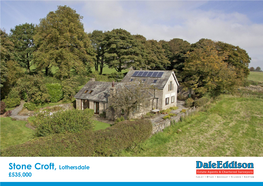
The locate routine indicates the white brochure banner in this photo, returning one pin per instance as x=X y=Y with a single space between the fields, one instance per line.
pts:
x=131 y=169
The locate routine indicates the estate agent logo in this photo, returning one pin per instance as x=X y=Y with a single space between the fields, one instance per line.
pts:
x=220 y=167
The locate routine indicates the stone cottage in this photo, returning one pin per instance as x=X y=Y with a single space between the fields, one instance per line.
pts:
x=161 y=86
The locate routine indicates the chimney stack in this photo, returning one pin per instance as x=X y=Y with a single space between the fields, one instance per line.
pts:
x=92 y=79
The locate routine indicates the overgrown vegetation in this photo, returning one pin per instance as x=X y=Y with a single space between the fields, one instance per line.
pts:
x=108 y=142
x=63 y=122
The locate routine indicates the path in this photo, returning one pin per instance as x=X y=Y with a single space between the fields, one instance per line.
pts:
x=14 y=113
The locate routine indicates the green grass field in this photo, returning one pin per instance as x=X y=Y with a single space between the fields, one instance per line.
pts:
x=233 y=126
x=107 y=70
x=256 y=76
x=100 y=125
x=14 y=132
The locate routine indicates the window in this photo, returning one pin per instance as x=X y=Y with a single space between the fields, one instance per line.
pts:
x=154 y=81
x=131 y=80
x=172 y=99
x=170 y=86
x=90 y=91
x=86 y=91
x=166 y=101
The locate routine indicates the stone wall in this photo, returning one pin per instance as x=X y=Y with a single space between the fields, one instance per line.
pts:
x=158 y=127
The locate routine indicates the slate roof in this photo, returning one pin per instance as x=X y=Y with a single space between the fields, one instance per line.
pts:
x=100 y=91
x=95 y=91
x=159 y=83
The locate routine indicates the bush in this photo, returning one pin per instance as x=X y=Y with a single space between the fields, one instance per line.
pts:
x=123 y=135
x=189 y=102
x=167 y=117
x=183 y=110
x=119 y=119
x=167 y=111
x=30 y=106
x=13 y=99
x=63 y=122
x=55 y=92
x=108 y=142
x=173 y=108
x=2 y=107
x=200 y=102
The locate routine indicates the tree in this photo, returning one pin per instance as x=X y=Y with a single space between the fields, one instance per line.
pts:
x=156 y=59
x=10 y=71
x=121 y=50
x=258 y=69
x=62 y=43
x=128 y=97
x=98 y=43
x=152 y=53
x=33 y=89
x=6 y=49
x=22 y=37
x=252 y=69
x=206 y=71
x=175 y=51
x=236 y=57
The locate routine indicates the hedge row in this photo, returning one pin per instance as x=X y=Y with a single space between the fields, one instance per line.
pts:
x=63 y=122
x=106 y=142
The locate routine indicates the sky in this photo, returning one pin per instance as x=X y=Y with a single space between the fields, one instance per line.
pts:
x=239 y=23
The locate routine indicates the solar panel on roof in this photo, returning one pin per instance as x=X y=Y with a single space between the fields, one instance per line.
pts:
x=149 y=74
x=144 y=74
x=140 y=73
x=159 y=74
x=154 y=74
x=135 y=74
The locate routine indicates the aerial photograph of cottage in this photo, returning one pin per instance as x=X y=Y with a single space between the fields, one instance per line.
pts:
x=131 y=79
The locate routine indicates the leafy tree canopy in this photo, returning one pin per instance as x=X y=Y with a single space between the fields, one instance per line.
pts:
x=62 y=43
x=22 y=37
x=122 y=50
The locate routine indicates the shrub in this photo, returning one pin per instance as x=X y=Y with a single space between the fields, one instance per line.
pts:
x=13 y=99
x=167 y=117
x=200 y=102
x=167 y=111
x=55 y=92
x=119 y=119
x=183 y=110
x=106 y=142
x=189 y=102
x=30 y=106
x=2 y=107
x=173 y=108
x=63 y=122
x=125 y=134
x=171 y=114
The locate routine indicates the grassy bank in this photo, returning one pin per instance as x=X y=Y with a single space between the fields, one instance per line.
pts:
x=233 y=126
x=256 y=76
x=14 y=132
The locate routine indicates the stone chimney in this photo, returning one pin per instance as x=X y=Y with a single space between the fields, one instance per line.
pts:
x=92 y=79
x=112 y=89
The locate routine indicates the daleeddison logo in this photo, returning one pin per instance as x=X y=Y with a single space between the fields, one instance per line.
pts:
x=220 y=167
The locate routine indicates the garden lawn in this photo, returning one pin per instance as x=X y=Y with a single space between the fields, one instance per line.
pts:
x=100 y=125
x=14 y=132
x=256 y=76
x=233 y=126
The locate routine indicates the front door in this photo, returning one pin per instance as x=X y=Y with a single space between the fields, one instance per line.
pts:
x=97 y=107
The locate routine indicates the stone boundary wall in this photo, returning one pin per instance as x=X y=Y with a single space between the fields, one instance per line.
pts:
x=158 y=127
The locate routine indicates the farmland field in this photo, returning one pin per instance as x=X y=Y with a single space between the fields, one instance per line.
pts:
x=256 y=76
x=233 y=126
